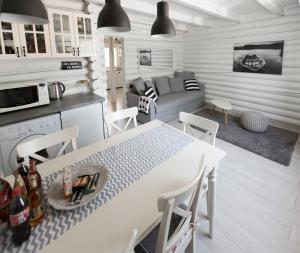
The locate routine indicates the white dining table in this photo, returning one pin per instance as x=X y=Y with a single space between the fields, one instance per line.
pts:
x=107 y=229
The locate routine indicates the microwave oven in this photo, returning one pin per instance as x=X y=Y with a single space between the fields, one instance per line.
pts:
x=23 y=95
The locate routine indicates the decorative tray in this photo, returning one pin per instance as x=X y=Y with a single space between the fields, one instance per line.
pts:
x=56 y=191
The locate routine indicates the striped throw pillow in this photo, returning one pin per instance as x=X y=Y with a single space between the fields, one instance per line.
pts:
x=150 y=93
x=191 y=84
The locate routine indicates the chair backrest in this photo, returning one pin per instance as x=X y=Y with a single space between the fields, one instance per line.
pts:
x=65 y=136
x=171 y=203
x=129 y=248
x=113 y=117
x=190 y=120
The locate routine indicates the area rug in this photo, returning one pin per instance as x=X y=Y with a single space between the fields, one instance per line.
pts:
x=276 y=144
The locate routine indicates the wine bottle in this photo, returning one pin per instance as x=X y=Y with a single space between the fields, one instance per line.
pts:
x=35 y=196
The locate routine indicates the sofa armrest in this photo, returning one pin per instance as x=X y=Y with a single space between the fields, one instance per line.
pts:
x=133 y=100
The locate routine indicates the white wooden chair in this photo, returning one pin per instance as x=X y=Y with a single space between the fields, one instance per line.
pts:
x=210 y=127
x=66 y=136
x=182 y=239
x=129 y=248
x=129 y=114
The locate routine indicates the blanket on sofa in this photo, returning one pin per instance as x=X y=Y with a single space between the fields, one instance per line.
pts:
x=144 y=104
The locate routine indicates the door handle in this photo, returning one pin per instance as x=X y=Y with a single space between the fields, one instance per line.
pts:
x=18 y=52
x=24 y=51
x=78 y=51
x=74 y=51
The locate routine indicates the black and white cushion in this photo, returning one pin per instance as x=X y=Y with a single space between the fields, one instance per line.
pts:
x=191 y=84
x=150 y=93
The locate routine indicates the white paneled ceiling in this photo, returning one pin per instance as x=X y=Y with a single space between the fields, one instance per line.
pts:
x=188 y=14
x=210 y=12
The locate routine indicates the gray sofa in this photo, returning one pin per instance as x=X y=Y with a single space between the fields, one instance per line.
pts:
x=170 y=102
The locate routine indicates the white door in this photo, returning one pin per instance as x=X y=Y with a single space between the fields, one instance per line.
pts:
x=118 y=72
x=9 y=41
x=84 y=35
x=61 y=33
x=35 y=41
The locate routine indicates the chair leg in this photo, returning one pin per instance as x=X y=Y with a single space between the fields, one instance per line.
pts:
x=212 y=179
x=207 y=204
x=191 y=248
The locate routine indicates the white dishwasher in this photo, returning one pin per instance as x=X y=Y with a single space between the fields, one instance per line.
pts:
x=89 y=121
x=12 y=135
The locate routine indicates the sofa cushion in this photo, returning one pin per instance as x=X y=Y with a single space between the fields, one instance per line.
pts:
x=150 y=93
x=176 y=84
x=184 y=75
x=191 y=84
x=139 y=86
x=151 y=84
x=177 y=99
x=162 y=85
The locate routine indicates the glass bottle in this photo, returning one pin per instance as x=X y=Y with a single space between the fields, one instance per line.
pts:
x=35 y=197
x=19 y=183
x=32 y=168
x=19 y=217
x=22 y=168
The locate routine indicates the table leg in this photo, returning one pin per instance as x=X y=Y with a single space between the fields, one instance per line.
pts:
x=226 y=116
x=214 y=108
x=211 y=198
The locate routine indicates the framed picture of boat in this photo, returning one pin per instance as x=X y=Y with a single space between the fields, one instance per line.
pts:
x=262 y=57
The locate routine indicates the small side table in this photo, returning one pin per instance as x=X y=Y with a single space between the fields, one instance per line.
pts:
x=224 y=105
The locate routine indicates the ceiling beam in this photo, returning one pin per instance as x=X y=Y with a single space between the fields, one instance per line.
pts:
x=272 y=6
x=211 y=8
x=149 y=9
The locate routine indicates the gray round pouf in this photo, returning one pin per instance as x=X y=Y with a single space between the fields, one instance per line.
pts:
x=254 y=121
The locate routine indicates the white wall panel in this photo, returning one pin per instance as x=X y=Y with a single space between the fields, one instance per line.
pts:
x=209 y=53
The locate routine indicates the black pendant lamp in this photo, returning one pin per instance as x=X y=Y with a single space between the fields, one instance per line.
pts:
x=113 y=17
x=24 y=12
x=163 y=26
x=1 y=2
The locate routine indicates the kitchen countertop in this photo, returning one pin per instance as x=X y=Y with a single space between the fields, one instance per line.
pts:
x=55 y=106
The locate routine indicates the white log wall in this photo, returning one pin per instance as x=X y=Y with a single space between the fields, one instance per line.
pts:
x=209 y=53
x=140 y=38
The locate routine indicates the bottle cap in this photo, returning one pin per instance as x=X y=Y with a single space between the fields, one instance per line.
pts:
x=20 y=159
x=17 y=191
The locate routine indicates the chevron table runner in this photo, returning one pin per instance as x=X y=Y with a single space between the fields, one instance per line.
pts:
x=127 y=162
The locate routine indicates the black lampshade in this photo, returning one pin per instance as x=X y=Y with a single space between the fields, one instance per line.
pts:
x=1 y=2
x=163 y=26
x=113 y=17
x=24 y=12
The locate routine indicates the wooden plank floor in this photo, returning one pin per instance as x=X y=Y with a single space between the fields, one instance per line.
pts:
x=258 y=204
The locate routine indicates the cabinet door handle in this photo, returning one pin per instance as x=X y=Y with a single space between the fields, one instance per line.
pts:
x=18 y=52
x=78 y=51
x=24 y=51
x=74 y=51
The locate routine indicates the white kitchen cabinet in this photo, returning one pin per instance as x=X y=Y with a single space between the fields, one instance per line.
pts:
x=9 y=41
x=89 y=120
x=83 y=35
x=34 y=41
x=24 y=41
x=62 y=33
x=71 y=34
